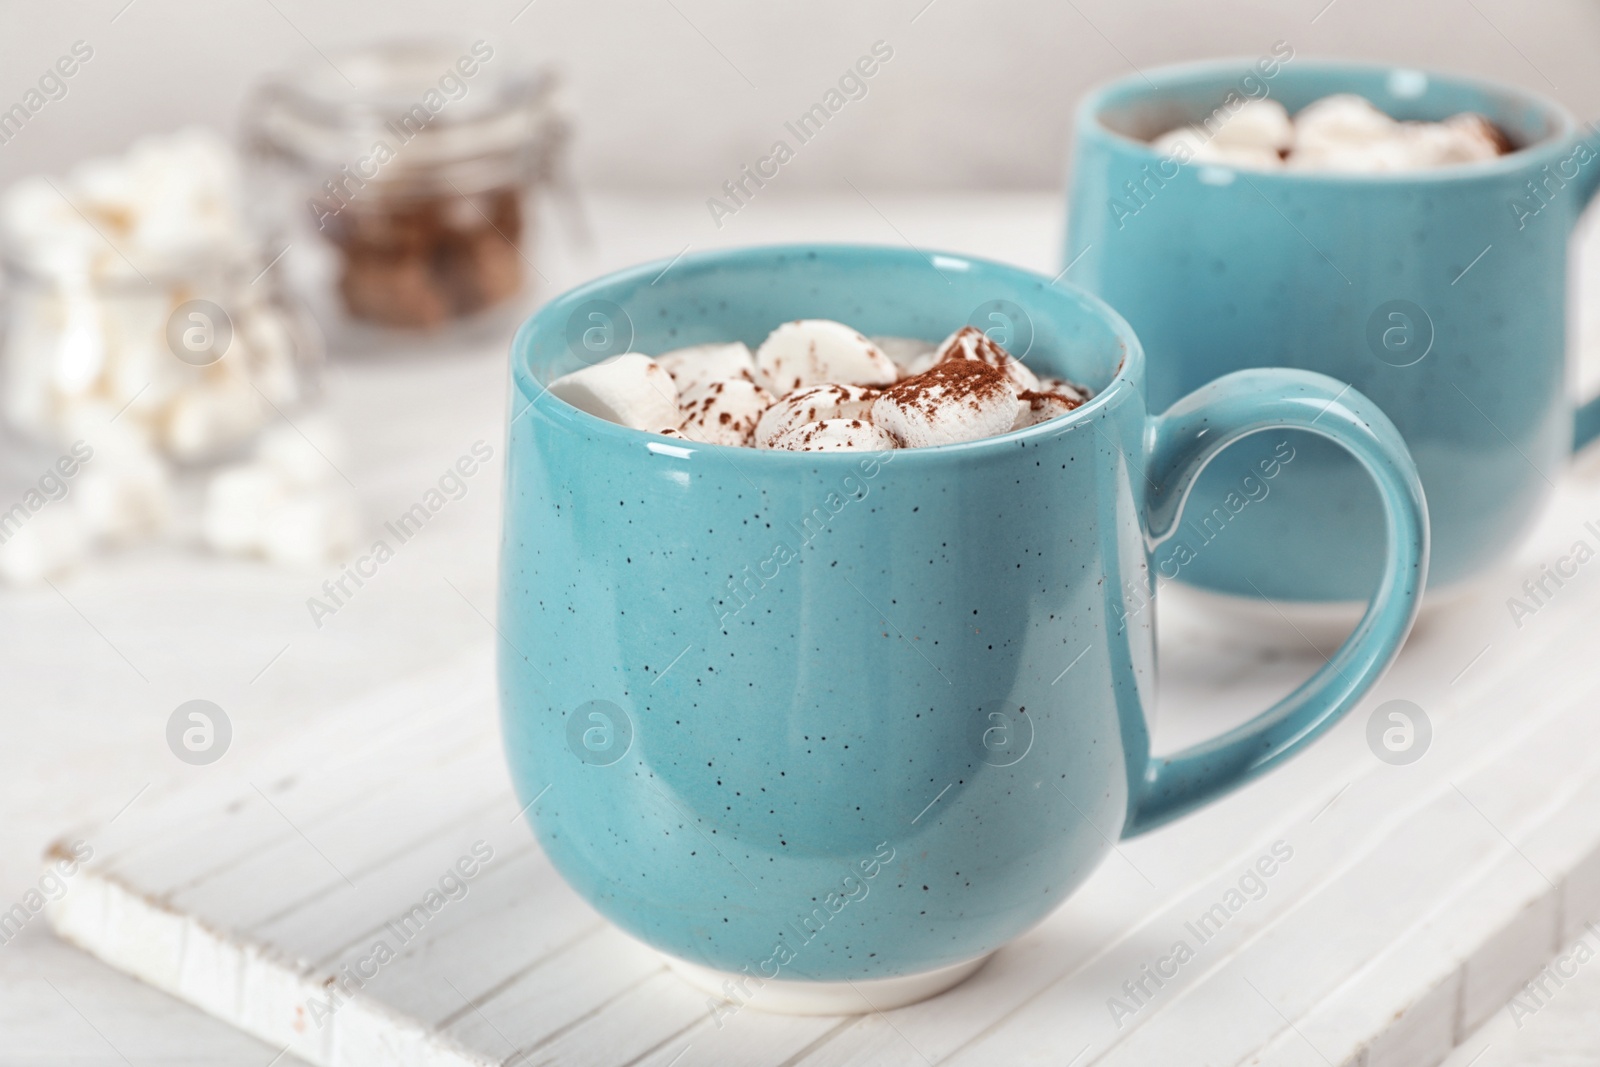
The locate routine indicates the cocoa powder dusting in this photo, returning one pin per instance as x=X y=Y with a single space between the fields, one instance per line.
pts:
x=1037 y=399
x=967 y=381
x=972 y=343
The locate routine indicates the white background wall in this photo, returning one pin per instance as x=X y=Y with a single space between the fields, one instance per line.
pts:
x=979 y=94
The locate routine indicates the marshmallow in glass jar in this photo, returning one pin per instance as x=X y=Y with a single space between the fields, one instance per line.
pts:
x=134 y=283
x=146 y=327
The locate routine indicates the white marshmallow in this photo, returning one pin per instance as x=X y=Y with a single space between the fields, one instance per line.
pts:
x=1464 y=138
x=1345 y=134
x=1064 y=388
x=167 y=199
x=1261 y=125
x=306 y=454
x=238 y=502
x=912 y=355
x=1341 y=123
x=33 y=212
x=131 y=368
x=1183 y=143
x=1035 y=408
x=812 y=351
x=835 y=435
x=80 y=353
x=269 y=352
x=969 y=342
x=124 y=497
x=50 y=542
x=958 y=400
x=1190 y=144
x=1487 y=139
x=26 y=393
x=96 y=422
x=630 y=390
x=207 y=420
x=311 y=529
x=700 y=365
x=725 y=412
x=1378 y=157
x=815 y=404
x=288 y=504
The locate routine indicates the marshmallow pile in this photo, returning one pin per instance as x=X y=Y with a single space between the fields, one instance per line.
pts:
x=104 y=256
x=1341 y=133
x=100 y=261
x=288 y=503
x=819 y=386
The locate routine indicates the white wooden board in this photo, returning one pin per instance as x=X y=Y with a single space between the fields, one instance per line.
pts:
x=1417 y=900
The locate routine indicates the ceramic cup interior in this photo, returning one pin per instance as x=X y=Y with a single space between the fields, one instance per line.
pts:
x=1141 y=109
x=742 y=295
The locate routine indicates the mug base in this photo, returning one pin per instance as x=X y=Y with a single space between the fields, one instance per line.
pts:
x=789 y=997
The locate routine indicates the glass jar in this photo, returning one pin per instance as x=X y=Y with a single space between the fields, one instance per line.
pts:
x=142 y=310
x=402 y=178
x=147 y=339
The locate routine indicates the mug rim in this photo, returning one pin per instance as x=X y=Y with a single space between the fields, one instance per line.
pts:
x=573 y=419
x=1090 y=111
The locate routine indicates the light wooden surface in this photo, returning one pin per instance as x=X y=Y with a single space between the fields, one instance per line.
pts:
x=1414 y=900
x=1417 y=900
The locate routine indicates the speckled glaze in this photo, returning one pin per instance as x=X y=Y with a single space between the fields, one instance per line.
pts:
x=883 y=711
x=1219 y=270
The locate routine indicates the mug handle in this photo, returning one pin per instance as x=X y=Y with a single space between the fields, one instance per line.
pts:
x=1586 y=419
x=1179 y=443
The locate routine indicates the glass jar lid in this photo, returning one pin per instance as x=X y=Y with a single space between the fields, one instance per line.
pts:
x=411 y=117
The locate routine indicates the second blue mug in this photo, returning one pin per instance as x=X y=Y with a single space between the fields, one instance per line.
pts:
x=1439 y=294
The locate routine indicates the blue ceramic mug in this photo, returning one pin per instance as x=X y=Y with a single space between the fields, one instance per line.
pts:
x=1440 y=294
x=782 y=715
